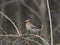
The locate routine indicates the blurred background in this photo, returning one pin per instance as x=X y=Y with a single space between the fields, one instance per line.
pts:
x=35 y=10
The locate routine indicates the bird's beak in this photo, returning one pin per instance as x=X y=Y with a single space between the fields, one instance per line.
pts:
x=25 y=21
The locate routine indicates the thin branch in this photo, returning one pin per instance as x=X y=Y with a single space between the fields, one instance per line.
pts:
x=14 y=41
x=35 y=1
x=42 y=27
x=3 y=39
x=50 y=22
x=33 y=11
x=54 y=30
x=3 y=30
x=31 y=40
x=19 y=33
x=5 y=33
x=9 y=35
x=45 y=42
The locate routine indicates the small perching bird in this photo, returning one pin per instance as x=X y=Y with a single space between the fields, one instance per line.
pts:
x=30 y=27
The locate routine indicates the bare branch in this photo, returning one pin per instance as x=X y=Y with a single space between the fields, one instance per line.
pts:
x=50 y=22
x=9 y=35
x=3 y=30
x=33 y=11
x=5 y=33
x=14 y=41
x=54 y=30
x=36 y=4
x=11 y=22
x=31 y=40
x=3 y=39
x=44 y=41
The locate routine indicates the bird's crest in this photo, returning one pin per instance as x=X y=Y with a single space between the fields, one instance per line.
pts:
x=28 y=20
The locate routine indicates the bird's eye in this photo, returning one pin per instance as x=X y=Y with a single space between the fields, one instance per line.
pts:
x=25 y=22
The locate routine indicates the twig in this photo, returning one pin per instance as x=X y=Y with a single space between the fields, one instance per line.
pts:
x=31 y=40
x=54 y=30
x=45 y=42
x=3 y=30
x=11 y=22
x=5 y=33
x=35 y=1
x=33 y=11
x=15 y=41
x=3 y=39
x=9 y=35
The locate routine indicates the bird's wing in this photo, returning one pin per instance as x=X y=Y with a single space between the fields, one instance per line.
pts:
x=34 y=27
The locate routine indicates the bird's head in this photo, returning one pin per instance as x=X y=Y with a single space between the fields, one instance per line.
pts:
x=28 y=20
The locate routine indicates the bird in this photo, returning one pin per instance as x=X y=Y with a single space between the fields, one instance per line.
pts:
x=30 y=27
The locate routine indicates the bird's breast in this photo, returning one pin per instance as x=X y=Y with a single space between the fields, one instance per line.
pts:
x=28 y=27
